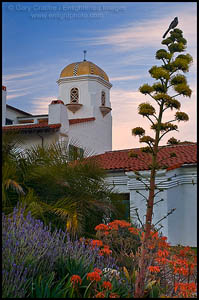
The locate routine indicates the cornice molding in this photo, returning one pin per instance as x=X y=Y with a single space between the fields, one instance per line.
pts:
x=163 y=180
x=84 y=78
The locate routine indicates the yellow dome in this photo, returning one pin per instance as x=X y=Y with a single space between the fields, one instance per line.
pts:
x=83 y=68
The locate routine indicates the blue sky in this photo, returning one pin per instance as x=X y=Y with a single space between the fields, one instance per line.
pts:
x=41 y=38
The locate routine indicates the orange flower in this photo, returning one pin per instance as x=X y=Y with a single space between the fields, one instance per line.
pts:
x=96 y=243
x=161 y=260
x=163 y=253
x=95 y=276
x=106 y=233
x=102 y=227
x=185 y=289
x=154 y=235
x=116 y=223
x=75 y=279
x=100 y=295
x=133 y=230
x=107 y=285
x=105 y=250
x=98 y=271
x=154 y=269
x=114 y=295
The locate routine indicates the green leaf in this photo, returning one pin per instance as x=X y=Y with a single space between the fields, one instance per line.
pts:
x=155 y=292
x=146 y=89
x=159 y=73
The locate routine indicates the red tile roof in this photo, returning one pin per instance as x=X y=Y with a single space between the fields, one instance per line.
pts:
x=31 y=126
x=75 y=121
x=57 y=102
x=119 y=160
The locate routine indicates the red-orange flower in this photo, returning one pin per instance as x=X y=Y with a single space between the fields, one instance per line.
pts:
x=100 y=295
x=116 y=223
x=95 y=276
x=107 y=285
x=102 y=227
x=98 y=271
x=106 y=232
x=154 y=269
x=114 y=295
x=105 y=250
x=161 y=260
x=75 y=279
x=96 y=243
x=133 y=230
x=162 y=253
x=185 y=289
x=154 y=235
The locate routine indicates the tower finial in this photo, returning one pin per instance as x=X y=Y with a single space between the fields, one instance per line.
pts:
x=85 y=55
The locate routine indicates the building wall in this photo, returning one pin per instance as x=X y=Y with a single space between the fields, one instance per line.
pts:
x=13 y=114
x=182 y=227
x=180 y=192
x=4 y=93
x=89 y=95
x=29 y=140
x=95 y=136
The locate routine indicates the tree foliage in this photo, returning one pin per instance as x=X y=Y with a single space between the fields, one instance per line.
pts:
x=55 y=187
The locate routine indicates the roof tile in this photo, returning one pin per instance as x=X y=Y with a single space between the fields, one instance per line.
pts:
x=117 y=160
x=30 y=126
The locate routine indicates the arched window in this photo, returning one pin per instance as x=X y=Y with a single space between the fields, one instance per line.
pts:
x=74 y=95
x=103 y=98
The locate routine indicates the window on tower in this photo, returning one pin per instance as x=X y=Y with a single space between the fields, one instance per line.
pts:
x=103 y=98
x=74 y=95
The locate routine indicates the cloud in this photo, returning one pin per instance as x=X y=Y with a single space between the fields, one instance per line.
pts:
x=40 y=105
x=16 y=95
x=145 y=33
x=122 y=78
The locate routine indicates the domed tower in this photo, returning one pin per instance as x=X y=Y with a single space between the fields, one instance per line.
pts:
x=85 y=90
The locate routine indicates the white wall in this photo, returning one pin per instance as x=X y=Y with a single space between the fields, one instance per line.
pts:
x=181 y=226
x=89 y=94
x=57 y=113
x=95 y=136
x=32 y=139
x=13 y=114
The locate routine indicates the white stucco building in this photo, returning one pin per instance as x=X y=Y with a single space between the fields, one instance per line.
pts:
x=178 y=180
x=82 y=116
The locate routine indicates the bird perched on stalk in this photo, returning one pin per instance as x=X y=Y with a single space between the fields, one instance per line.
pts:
x=173 y=24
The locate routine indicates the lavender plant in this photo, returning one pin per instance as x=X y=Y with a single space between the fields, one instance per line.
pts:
x=30 y=249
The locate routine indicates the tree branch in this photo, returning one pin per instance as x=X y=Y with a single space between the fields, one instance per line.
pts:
x=176 y=95
x=158 y=201
x=166 y=133
x=148 y=188
x=138 y=217
x=169 y=213
x=142 y=195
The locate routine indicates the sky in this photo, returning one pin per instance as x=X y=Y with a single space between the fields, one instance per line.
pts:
x=41 y=38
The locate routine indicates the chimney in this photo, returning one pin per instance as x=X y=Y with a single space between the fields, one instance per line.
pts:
x=57 y=113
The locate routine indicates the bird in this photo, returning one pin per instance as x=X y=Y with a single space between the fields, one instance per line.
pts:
x=173 y=24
